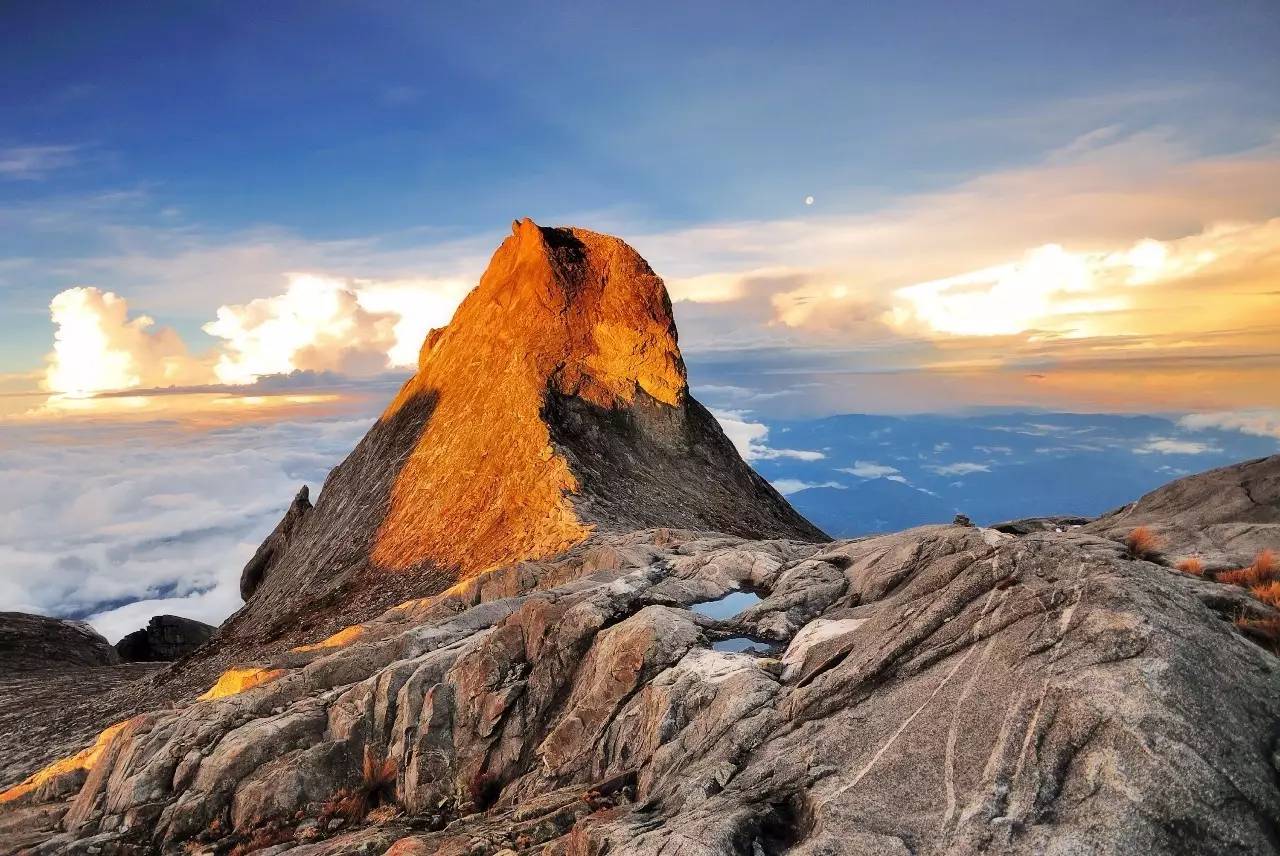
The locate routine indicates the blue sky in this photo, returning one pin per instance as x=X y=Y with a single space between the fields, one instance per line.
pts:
x=190 y=157
x=334 y=118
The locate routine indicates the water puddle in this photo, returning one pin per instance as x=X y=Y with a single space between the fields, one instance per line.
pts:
x=745 y=645
x=728 y=606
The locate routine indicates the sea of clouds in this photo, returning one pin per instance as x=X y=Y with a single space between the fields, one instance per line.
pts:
x=116 y=523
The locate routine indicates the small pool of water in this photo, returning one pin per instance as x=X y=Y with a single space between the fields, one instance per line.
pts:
x=745 y=645
x=728 y=606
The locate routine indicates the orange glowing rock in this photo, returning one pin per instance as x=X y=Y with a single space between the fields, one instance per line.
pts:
x=82 y=760
x=345 y=636
x=234 y=681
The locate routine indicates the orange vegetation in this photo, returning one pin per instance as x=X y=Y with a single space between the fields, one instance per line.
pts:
x=1264 y=565
x=267 y=836
x=1261 y=571
x=1265 y=630
x=345 y=636
x=591 y=320
x=1268 y=593
x=377 y=787
x=1142 y=543
x=82 y=760
x=234 y=681
x=1191 y=565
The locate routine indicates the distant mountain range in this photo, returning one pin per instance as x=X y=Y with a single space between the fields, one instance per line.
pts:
x=885 y=473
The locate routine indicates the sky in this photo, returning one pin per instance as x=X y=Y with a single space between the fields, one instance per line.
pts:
x=857 y=208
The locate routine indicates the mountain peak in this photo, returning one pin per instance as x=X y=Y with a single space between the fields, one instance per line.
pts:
x=553 y=406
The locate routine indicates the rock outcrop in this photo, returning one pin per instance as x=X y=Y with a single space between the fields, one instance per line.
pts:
x=38 y=642
x=272 y=550
x=1224 y=516
x=166 y=637
x=553 y=406
x=1027 y=525
x=943 y=690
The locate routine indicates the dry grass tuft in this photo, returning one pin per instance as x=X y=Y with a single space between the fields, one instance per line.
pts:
x=1263 y=570
x=261 y=839
x=383 y=814
x=378 y=776
x=1268 y=593
x=1142 y=543
x=1264 y=631
x=1238 y=577
x=1191 y=565
x=377 y=788
x=1265 y=566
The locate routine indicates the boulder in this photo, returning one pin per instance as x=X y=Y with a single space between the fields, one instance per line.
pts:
x=166 y=637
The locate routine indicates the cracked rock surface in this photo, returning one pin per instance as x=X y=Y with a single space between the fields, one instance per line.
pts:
x=942 y=690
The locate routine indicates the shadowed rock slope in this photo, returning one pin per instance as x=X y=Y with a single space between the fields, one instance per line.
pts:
x=554 y=405
x=38 y=642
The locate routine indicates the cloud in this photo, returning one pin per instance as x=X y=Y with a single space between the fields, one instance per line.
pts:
x=1170 y=446
x=98 y=347
x=786 y=487
x=869 y=470
x=32 y=163
x=319 y=324
x=1038 y=286
x=324 y=323
x=749 y=439
x=962 y=468
x=1005 y=299
x=99 y=515
x=211 y=606
x=1261 y=423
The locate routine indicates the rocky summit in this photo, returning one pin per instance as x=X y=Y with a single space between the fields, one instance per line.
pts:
x=618 y=639
x=552 y=407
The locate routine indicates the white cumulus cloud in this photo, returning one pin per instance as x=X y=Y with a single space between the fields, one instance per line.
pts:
x=786 y=487
x=323 y=323
x=319 y=323
x=97 y=347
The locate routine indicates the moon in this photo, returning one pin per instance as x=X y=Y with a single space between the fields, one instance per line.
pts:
x=808 y=200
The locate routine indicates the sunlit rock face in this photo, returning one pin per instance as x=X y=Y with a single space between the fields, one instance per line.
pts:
x=553 y=406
